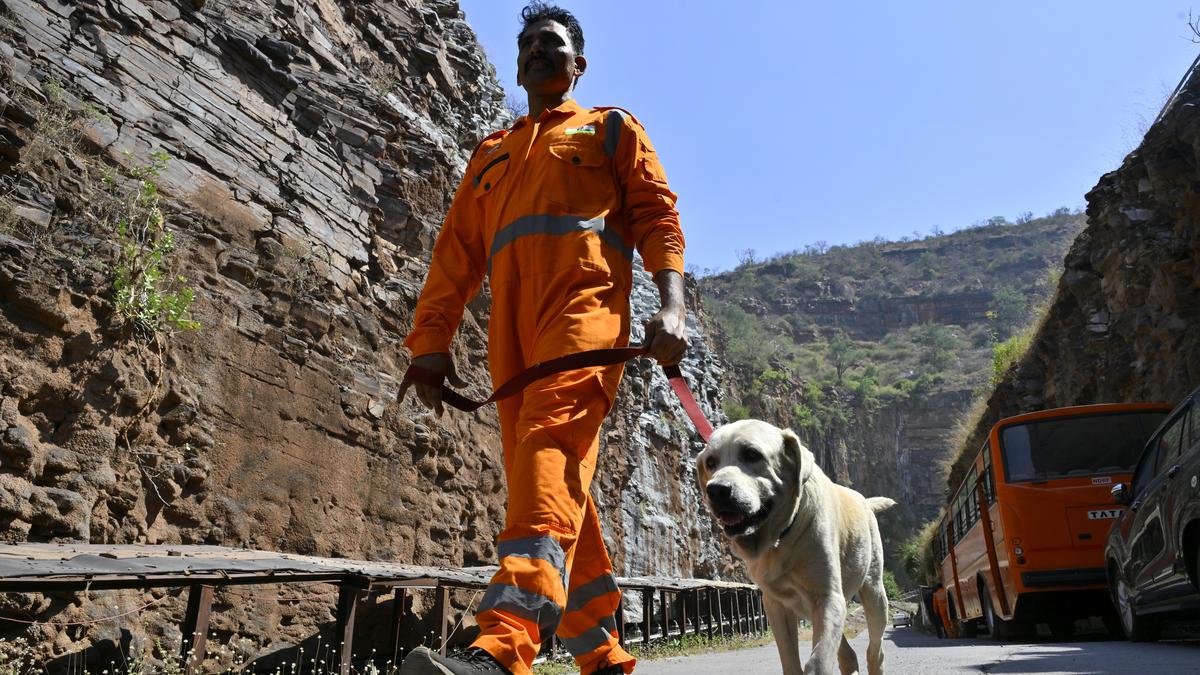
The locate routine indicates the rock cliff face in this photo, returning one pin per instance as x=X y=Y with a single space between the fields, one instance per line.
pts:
x=1123 y=325
x=313 y=148
x=885 y=299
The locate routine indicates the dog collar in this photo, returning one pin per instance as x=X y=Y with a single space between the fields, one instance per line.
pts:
x=784 y=532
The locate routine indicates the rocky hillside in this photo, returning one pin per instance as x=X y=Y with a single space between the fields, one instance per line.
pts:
x=1123 y=323
x=214 y=223
x=874 y=352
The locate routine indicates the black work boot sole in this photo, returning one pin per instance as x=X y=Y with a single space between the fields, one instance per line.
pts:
x=425 y=661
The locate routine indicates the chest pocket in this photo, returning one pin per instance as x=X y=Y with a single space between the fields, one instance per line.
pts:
x=488 y=178
x=580 y=180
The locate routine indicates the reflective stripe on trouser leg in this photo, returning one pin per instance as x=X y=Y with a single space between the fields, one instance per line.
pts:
x=550 y=443
x=589 y=626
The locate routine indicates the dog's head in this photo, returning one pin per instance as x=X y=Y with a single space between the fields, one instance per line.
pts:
x=750 y=474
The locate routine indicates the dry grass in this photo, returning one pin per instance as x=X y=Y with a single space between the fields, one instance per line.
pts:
x=213 y=199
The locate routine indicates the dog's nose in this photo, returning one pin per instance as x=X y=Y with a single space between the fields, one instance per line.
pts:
x=718 y=493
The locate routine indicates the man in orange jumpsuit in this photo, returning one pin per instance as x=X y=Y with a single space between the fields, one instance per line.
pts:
x=551 y=212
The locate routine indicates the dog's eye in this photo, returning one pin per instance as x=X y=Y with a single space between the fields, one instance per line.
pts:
x=751 y=455
x=710 y=462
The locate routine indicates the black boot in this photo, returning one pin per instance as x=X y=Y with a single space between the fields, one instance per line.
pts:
x=614 y=669
x=425 y=661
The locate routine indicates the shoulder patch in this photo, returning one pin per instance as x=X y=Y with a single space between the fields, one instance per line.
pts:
x=494 y=136
x=619 y=109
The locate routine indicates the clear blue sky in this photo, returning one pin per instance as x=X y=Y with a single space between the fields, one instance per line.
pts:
x=786 y=122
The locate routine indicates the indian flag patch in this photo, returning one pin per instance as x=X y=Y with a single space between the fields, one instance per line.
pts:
x=586 y=131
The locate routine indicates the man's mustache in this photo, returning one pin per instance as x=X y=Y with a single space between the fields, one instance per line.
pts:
x=536 y=59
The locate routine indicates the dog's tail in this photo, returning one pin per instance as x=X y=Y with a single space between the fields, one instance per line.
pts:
x=877 y=504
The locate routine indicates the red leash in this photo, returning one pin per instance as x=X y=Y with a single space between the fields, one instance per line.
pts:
x=594 y=357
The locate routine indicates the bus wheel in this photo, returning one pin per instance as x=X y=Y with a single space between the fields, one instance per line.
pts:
x=998 y=628
x=1137 y=628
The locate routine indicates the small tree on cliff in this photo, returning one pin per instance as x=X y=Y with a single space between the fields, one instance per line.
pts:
x=843 y=355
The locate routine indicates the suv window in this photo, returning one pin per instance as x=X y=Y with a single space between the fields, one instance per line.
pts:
x=1169 y=443
x=1194 y=423
x=1145 y=468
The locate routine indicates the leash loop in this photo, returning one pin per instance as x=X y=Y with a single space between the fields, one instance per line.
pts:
x=586 y=359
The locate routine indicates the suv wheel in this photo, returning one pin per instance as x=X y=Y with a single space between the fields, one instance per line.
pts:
x=1137 y=628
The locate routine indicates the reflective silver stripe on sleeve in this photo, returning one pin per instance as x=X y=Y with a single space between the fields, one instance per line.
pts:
x=556 y=225
x=612 y=132
x=592 y=638
x=543 y=547
x=584 y=593
x=523 y=604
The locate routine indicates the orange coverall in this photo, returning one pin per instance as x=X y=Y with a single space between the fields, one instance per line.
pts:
x=551 y=211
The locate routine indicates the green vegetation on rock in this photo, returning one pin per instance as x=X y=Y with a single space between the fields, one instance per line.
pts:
x=873 y=352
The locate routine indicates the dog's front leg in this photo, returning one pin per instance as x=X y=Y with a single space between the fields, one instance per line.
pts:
x=783 y=624
x=829 y=621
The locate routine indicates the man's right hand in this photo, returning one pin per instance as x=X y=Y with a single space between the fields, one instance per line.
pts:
x=438 y=363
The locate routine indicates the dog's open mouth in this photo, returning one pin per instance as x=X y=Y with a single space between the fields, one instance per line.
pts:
x=735 y=523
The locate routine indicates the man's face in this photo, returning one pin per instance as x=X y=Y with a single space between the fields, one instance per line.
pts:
x=546 y=61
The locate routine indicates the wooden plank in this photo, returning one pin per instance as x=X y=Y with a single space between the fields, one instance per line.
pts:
x=444 y=615
x=696 y=607
x=195 y=627
x=347 y=606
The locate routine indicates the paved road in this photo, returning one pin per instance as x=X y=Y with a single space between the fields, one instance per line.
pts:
x=910 y=652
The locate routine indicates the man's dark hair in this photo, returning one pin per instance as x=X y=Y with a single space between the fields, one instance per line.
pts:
x=541 y=11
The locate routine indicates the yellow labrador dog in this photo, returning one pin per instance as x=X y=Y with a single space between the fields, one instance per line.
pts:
x=808 y=543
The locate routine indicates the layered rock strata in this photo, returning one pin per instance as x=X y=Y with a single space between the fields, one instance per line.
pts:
x=311 y=149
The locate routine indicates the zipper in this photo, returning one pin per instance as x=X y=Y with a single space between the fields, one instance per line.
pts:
x=494 y=162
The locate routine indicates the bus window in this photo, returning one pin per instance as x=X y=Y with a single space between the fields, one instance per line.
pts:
x=1082 y=445
x=972 y=500
x=989 y=481
x=1017 y=460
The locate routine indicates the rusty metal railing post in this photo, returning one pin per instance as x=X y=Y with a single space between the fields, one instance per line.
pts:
x=444 y=614
x=736 y=628
x=647 y=613
x=399 y=612
x=621 y=619
x=666 y=613
x=347 y=607
x=683 y=614
x=708 y=618
x=720 y=615
x=195 y=627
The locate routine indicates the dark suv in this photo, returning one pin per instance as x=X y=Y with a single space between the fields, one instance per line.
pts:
x=1152 y=549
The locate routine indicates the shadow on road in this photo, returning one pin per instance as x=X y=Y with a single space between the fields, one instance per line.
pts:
x=906 y=637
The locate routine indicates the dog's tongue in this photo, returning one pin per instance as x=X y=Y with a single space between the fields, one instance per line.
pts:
x=729 y=519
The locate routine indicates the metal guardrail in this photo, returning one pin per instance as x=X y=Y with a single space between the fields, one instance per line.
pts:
x=727 y=608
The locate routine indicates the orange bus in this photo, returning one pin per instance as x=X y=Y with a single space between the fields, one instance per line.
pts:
x=1039 y=487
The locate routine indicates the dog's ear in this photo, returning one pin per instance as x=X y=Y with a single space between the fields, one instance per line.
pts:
x=800 y=456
